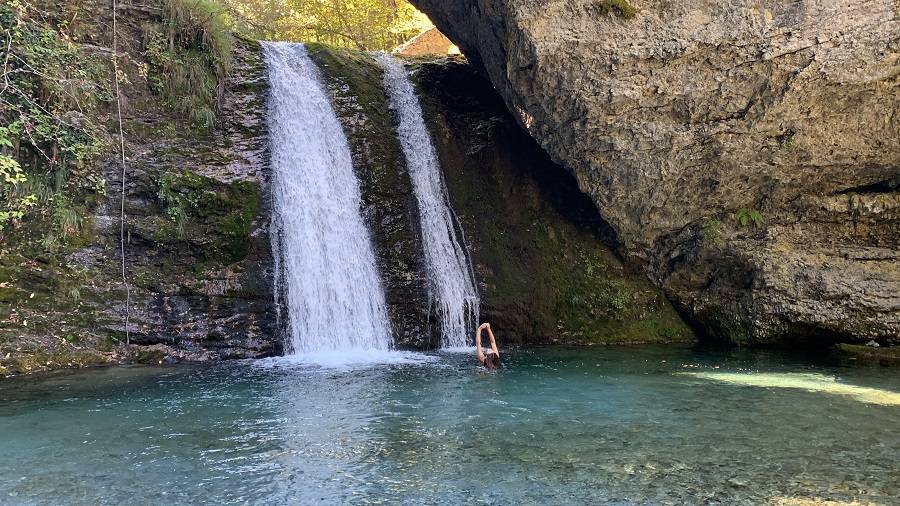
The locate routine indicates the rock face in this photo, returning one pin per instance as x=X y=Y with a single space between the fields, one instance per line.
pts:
x=198 y=253
x=197 y=250
x=519 y=212
x=748 y=153
x=541 y=252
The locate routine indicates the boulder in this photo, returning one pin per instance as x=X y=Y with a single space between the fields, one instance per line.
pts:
x=746 y=152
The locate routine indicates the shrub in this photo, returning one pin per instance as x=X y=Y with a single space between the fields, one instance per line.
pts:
x=52 y=90
x=711 y=230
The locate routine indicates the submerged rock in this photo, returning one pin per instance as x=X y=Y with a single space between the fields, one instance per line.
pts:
x=881 y=354
x=747 y=153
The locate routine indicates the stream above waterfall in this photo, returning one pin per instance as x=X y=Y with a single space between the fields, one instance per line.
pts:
x=615 y=424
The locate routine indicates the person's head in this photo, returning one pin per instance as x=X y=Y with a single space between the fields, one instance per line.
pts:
x=492 y=361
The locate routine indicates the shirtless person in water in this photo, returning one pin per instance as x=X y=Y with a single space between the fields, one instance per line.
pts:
x=492 y=359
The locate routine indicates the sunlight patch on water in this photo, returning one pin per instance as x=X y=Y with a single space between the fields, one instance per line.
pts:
x=804 y=381
x=349 y=359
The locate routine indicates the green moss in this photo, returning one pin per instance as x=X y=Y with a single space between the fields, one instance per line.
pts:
x=149 y=356
x=110 y=342
x=881 y=353
x=43 y=287
x=729 y=327
x=216 y=217
x=38 y=360
x=618 y=7
x=355 y=79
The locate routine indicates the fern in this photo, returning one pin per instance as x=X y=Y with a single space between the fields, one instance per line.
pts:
x=745 y=217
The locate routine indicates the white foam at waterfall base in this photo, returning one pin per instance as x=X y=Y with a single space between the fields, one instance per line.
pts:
x=451 y=279
x=326 y=271
x=348 y=360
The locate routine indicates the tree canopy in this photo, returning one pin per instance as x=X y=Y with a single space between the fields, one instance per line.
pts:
x=360 y=24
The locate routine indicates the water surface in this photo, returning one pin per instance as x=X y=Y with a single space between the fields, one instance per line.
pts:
x=556 y=426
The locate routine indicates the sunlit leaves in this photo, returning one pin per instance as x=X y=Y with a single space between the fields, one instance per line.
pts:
x=359 y=24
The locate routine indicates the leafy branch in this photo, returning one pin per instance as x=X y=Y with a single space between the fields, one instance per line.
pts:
x=50 y=91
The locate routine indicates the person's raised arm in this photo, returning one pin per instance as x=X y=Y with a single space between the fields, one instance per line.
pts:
x=478 y=353
x=493 y=341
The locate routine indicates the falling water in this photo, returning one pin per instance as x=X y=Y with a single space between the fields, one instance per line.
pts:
x=451 y=280
x=325 y=264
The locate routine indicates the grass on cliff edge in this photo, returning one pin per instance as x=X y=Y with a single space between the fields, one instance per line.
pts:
x=189 y=56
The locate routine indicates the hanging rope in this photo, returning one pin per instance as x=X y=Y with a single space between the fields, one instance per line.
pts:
x=115 y=54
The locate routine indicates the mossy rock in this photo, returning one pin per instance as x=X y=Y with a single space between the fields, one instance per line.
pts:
x=890 y=354
x=149 y=356
x=48 y=361
x=216 y=217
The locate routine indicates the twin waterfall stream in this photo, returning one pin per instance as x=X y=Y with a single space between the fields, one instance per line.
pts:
x=327 y=279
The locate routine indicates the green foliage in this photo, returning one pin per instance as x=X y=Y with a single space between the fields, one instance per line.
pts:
x=357 y=24
x=11 y=175
x=745 y=217
x=189 y=57
x=618 y=7
x=66 y=219
x=51 y=91
x=42 y=361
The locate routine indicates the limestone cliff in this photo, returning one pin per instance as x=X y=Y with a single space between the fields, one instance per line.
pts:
x=747 y=152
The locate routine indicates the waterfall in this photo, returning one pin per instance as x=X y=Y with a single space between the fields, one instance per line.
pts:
x=451 y=279
x=326 y=273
